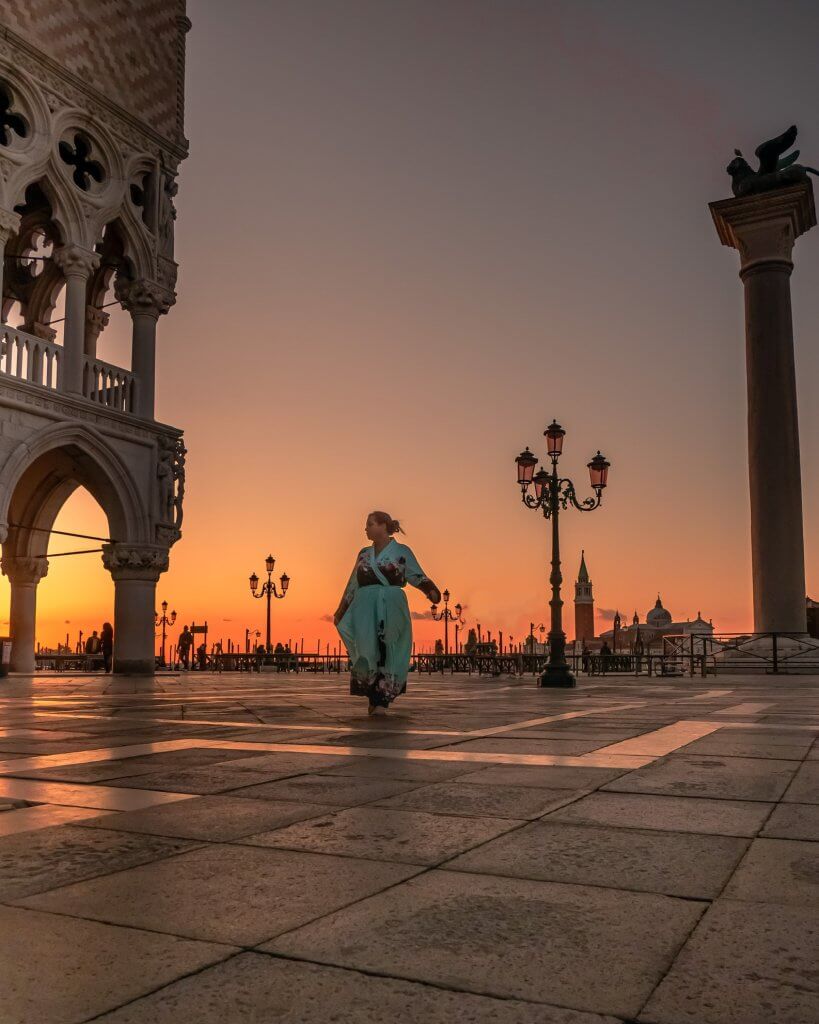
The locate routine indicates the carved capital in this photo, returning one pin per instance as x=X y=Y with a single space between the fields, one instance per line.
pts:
x=9 y=224
x=135 y=561
x=96 y=319
x=24 y=569
x=74 y=261
x=763 y=227
x=143 y=296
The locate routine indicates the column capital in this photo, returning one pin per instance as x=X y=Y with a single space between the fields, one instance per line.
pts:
x=24 y=568
x=75 y=261
x=135 y=561
x=96 y=319
x=9 y=224
x=143 y=296
x=764 y=227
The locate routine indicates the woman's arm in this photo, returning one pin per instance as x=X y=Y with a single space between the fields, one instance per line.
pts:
x=416 y=576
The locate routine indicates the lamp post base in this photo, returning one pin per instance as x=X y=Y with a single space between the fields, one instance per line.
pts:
x=557 y=676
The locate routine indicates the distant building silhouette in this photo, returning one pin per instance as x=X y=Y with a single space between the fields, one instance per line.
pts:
x=583 y=604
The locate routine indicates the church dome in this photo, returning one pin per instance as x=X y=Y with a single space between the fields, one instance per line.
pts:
x=658 y=616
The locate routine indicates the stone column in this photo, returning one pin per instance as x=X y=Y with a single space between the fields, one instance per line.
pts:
x=135 y=570
x=146 y=301
x=77 y=265
x=24 y=574
x=9 y=225
x=763 y=228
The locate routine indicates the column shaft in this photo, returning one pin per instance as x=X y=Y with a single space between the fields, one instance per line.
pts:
x=134 y=626
x=22 y=622
x=143 y=361
x=74 y=334
x=777 y=548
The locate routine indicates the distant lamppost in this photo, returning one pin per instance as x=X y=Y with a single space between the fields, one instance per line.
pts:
x=447 y=616
x=532 y=628
x=615 y=631
x=248 y=634
x=269 y=590
x=551 y=494
x=164 y=622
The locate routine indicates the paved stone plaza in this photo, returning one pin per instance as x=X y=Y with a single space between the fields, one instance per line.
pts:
x=255 y=849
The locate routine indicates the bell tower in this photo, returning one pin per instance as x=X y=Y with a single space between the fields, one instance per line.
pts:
x=583 y=603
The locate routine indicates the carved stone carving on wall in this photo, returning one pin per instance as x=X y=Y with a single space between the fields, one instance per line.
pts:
x=135 y=561
x=170 y=472
x=24 y=569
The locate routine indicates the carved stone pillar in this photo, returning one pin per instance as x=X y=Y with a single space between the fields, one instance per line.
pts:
x=96 y=320
x=763 y=228
x=146 y=301
x=9 y=225
x=135 y=569
x=24 y=574
x=77 y=265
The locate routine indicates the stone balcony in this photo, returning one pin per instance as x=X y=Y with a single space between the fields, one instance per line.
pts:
x=25 y=357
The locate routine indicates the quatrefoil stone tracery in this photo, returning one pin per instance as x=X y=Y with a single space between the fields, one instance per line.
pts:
x=11 y=123
x=78 y=156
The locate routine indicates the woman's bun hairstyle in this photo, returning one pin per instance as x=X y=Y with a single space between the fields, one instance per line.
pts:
x=393 y=526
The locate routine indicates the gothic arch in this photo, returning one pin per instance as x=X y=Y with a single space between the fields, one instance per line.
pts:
x=40 y=475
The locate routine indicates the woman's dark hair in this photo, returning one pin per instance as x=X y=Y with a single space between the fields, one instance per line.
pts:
x=393 y=526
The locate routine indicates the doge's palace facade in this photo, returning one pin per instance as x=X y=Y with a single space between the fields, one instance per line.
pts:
x=91 y=137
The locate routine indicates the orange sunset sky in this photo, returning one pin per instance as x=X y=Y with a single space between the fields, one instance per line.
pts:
x=411 y=233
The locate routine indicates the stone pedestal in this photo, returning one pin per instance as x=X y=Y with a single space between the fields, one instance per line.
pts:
x=763 y=228
x=24 y=574
x=135 y=571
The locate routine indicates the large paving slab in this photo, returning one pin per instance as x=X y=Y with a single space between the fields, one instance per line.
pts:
x=60 y=970
x=793 y=821
x=732 y=778
x=213 y=819
x=33 y=862
x=805 y=786
x=543 y=776
x=202 y=780
x=670 y=813
x=778 y=871
x=255 y=988
x=674 y=863
x=341 y=791
x=481 y=801
x=381 y=833
x=232 y=894
x=746 y=963
x=508 y=937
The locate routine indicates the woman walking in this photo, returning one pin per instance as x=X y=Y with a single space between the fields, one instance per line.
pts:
x=373 y=617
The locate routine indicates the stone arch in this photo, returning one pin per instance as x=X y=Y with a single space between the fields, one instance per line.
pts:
x=35 y=482
x=39 y=476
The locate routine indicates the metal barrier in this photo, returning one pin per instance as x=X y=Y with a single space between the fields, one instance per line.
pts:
x=774 y=653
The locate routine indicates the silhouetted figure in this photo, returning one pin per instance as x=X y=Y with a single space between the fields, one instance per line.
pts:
x=106 y=642
x=202 y=657
x=605 y=650
x=92 y=644
x=184 y=647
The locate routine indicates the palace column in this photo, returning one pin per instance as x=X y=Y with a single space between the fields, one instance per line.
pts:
x=77 y=265
x=135 y=569
x=146 y=301
x=96 y=320
x=763 y=228
x=24 y=574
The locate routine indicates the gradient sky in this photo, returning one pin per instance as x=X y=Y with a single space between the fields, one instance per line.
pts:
x=411 y=233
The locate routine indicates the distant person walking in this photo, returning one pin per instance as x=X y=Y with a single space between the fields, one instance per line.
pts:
x=373 y=617
x=106 y=645
x=92 y=644
x=184 y=647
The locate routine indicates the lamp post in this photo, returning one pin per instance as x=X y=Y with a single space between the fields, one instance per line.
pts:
x=552 y=493
x=532 y=628
x=447 y=617
x=269 y=590
x=248 y=634
x=164 y=622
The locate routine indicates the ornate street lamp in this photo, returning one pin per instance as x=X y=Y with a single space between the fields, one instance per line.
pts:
x=552 y=493
x=447 y=616
x=164 y=621
x=269 y=590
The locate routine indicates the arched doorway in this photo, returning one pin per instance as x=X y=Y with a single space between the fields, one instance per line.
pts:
x=35 y=482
